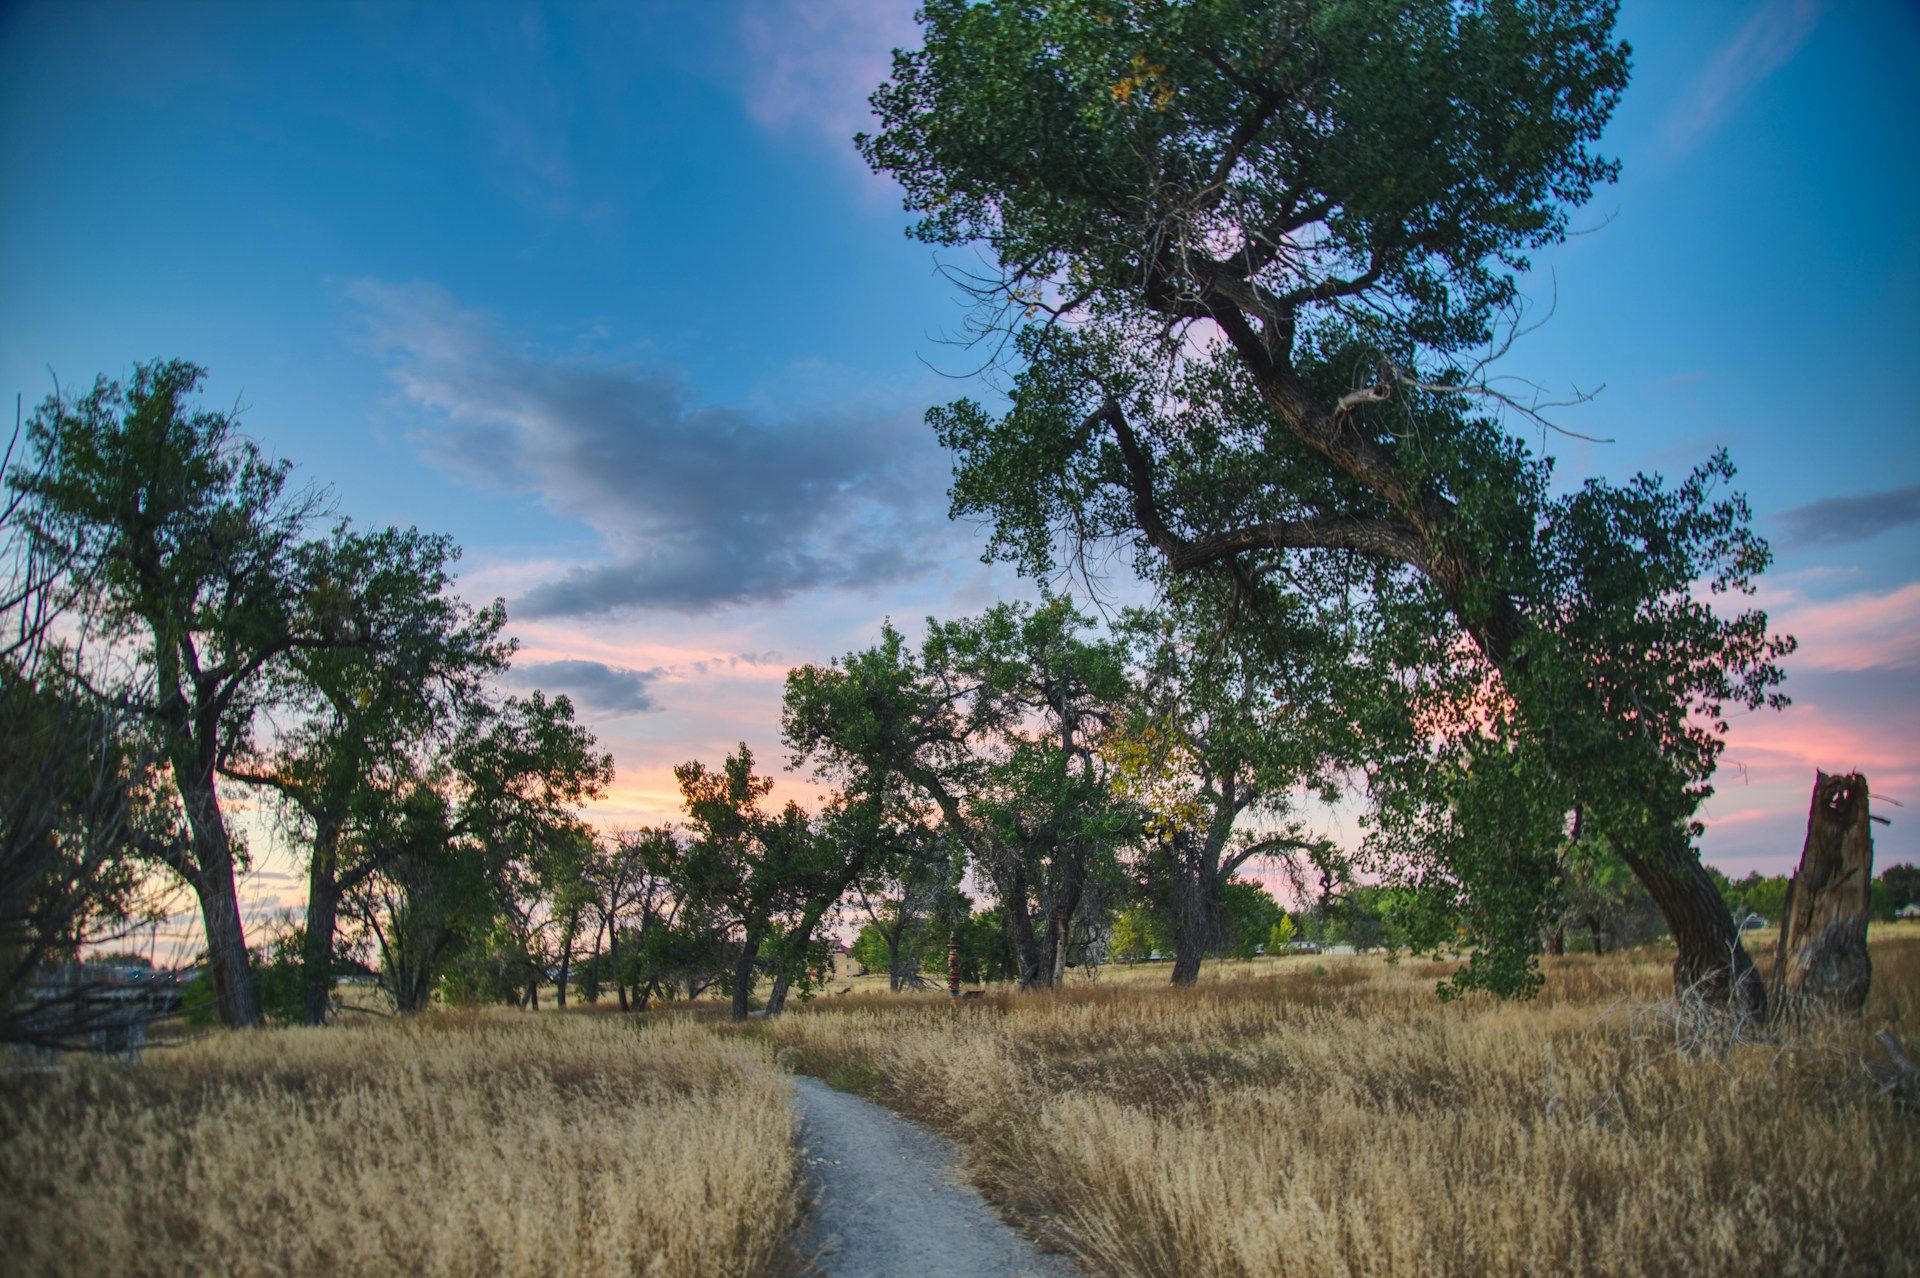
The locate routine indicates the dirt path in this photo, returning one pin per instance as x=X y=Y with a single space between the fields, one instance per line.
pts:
x=888 y=1199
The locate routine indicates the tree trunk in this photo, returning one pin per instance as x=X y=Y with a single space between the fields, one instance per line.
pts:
x=1053 y=949
x=1026 y=951
x=743 y=973
x=793 y=948
x=590 y=988
x=1189 y=949
x=213 y=883
x=1196 y=916
x=323 y=909
x=613 y=966
x=1063 y=902
x=413 y=981
x=1709 y=961
x=566 y=973
x=1824 y=934
x=1598 y=933
x=894 y=937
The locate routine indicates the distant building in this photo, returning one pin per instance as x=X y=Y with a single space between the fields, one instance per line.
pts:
x=1911 y=910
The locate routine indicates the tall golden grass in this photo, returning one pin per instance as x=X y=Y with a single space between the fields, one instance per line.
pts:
x=1309 y=1116
x=497 y=1143
x=1332 y=1117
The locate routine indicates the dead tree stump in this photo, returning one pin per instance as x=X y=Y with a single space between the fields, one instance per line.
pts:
x=1824 y=935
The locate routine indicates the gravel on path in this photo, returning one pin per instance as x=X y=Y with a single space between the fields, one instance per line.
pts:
x=889 y=1201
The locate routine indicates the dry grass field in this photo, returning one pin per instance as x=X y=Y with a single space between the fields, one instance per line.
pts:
x=1330 y=1116
x=458 y=1143
x=1308 y=1115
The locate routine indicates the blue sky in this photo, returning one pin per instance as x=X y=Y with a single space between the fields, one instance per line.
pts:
x=605 y=292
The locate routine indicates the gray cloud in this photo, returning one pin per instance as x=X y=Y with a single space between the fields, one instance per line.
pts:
x=612 y=689
x=701 y=506
x=1838 y=521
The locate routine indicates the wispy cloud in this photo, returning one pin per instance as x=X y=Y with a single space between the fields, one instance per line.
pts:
x=700 y=505
x=811 y=64
x=1839 y=521
x=1871 y=630
x=1788 y=747
x=1765 y=43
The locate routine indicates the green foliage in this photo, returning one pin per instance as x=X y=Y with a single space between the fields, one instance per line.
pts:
x=1766 y=895
x=869 y=949
x=279 y=971
x=1339 y=195
x=987 y=733
x=1282 y=935
x=1435 y=143
x=1757 y=893
x=1136 y=935
x=77 y=790
x=475 y=846
x=986 y=950
x=489 y=966
x=1898 y=886
x=1248 y=915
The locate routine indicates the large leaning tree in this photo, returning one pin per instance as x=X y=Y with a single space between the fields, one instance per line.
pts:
x=187 y=552
x=1247 y=261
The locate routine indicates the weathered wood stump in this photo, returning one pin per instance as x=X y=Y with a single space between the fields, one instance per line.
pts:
x=1823 y=938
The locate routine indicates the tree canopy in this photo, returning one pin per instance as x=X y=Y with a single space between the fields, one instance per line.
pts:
x=1249 y=265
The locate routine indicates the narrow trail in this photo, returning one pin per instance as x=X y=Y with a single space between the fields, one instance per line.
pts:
x=889 y=1201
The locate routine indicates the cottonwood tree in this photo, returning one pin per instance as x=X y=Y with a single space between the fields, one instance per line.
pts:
x=901 y=898
x=193 y=551
x=544 y=898
x=752 y=863
x=868 y=725
x=356 y=718
x=1223 y=731
x=664 y=935
x=775 y=877
x=995 y=720
x=469 y=834
x=1244 y=258
x=1034 y=802
x=622 y=884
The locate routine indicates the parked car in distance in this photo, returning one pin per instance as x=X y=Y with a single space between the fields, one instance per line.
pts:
x=1303 y=947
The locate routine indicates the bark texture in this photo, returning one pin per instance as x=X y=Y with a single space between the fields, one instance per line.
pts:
x=743 y=974
x=1824 y=935
x=1709 y=959
x=212 y=878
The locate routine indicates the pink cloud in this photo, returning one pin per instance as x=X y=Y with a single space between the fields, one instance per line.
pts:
x=1864 y=631
x=1786 y=747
